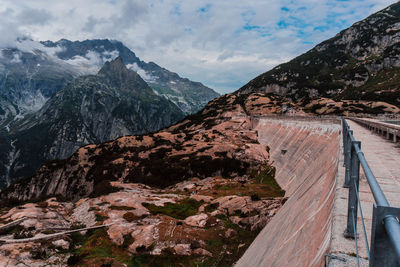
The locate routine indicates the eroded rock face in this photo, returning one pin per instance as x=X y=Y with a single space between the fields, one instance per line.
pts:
x=192 y=218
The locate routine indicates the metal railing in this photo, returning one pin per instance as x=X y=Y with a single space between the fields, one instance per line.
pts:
x=384 y=249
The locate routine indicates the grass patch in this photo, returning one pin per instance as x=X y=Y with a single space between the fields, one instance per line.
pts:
x=128 y=240
x=181 y=210
x=100 y=218
x=97 y=249
x=130 y=217
x=121 y=208
x=267 y=177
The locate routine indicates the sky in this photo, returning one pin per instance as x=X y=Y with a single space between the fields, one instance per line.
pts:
x=221 y=43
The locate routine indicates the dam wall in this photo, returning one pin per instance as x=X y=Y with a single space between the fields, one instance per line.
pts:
x=305 y=153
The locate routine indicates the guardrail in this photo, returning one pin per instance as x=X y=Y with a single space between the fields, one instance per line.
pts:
x=390 y=131
x=384 y=249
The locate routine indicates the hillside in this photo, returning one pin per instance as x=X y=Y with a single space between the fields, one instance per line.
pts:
x=359 y=63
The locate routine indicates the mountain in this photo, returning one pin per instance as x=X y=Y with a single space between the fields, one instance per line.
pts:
x=34 y=105
x=189 y=96
x=217 y=141
x=90 y=109
x=361 y=63
x=28 y=79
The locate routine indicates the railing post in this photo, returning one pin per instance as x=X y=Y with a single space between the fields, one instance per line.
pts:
x=382 y=251
x=351 y=230
x=345 y=136
x=344 y=133
x=347 y=159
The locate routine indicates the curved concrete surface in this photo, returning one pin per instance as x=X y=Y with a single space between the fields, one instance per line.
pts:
x=305 y=154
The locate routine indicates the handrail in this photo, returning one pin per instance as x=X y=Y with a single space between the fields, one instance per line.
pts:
x=379 y=197
x=383 y=213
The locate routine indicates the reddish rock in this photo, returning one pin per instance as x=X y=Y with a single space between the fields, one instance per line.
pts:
x=199 y=220
x=230 y=233
x=182 y=249
x=202 y=252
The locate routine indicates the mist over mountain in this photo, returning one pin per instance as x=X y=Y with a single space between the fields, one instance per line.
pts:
x=187 y=95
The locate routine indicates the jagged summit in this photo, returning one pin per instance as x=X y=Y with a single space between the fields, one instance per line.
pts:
x=115 y=66
x=119 y=75
x=189 y=96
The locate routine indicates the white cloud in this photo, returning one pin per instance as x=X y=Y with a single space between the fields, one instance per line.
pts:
x=142 y=73
x=92 y=61
x=223 y=44
x=30 y=46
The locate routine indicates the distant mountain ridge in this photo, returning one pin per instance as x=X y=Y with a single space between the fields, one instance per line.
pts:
x=43 y=117
x=187 y=95
x=359 y=63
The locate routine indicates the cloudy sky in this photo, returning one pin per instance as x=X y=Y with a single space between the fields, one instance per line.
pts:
x=221 y=43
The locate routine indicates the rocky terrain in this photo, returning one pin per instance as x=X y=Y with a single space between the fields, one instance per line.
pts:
x=220 y=137
x=196 y=222
x=206 y=177
x=360 y=63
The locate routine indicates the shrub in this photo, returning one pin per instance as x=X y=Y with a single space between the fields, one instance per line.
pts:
x=180 y=211
x=130 y=217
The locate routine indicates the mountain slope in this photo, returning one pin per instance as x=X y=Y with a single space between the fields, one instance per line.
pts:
x=91 y=109
x=360 y=63
x=28 y=79
x=217 y=141
x=189 y=96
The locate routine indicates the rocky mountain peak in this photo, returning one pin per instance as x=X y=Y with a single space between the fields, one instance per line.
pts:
x=118 y=75
x=114 y=66
x=189 y=96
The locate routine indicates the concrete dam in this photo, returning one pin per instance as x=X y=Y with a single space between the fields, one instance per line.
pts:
x=309 y=229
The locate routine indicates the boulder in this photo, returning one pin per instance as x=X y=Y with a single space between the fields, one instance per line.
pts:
x=182 y=249
x=61 y=243
x=202 y=252
x=230 y=233
x=199 y=220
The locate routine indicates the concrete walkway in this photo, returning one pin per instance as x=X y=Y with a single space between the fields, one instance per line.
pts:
x=383 y=156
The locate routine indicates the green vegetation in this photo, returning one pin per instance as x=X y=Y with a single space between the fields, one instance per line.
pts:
x=180 y=210
x=121 y=208
x=95 y=249
x=100 y=218
x=103 y=187
x=130 y=217
x=267 y=177
x=163 y=90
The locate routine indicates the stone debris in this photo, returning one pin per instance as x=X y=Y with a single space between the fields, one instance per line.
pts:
x=146 y=231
